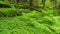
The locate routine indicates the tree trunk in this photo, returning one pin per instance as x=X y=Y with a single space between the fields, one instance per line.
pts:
x=43 y=2
x=31 y=4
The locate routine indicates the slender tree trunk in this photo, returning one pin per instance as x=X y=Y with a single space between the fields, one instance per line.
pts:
x=54 y=6
x=31 y=4
x=54 y=2
x=59 y=9
x=43 y=2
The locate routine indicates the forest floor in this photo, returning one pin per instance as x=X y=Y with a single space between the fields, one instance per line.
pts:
x=26 y=21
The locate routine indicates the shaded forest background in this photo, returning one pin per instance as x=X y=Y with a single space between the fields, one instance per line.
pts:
x=31 y=4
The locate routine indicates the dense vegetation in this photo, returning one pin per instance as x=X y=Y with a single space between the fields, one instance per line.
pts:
x=29 y=16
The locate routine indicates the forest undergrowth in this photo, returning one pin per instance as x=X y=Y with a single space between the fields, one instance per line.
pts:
x=26 y=21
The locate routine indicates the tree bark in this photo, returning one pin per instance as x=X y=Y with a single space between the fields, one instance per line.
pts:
x=43 y=2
